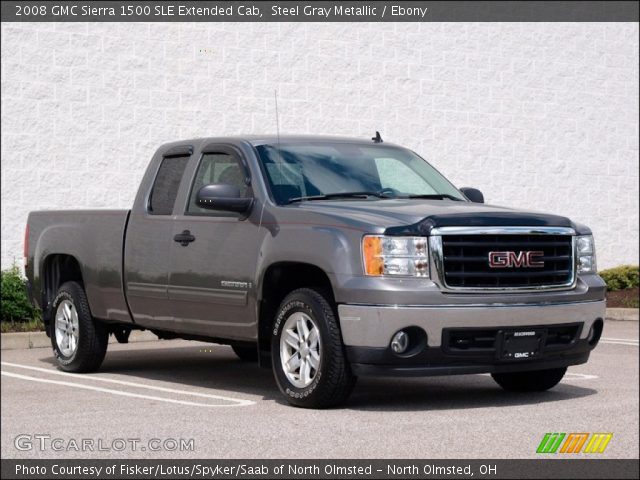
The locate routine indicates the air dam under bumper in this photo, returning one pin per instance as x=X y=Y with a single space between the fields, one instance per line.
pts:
x=367 y=331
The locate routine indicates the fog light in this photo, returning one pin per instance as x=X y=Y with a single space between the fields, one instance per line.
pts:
x=400 y=342
x=595 y=333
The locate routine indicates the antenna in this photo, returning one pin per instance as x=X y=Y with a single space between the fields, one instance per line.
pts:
x=377 y=138
x=275 y=96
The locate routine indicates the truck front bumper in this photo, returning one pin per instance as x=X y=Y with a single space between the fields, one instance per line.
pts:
x=367 y=332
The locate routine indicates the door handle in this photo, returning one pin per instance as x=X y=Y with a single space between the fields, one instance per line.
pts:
x=184 y=238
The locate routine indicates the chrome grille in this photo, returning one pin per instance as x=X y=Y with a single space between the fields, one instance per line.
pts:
x=464 y=258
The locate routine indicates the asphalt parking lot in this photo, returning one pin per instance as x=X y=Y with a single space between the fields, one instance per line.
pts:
x=153 y=395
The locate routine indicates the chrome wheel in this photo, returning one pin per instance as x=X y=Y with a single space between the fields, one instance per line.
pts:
x=300 y=349
x=67 y=328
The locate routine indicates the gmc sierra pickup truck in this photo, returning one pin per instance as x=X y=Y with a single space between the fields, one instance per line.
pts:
x=324 y=259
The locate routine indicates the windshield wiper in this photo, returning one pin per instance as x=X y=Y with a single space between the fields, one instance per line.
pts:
x=435 y=196
x=329 y=196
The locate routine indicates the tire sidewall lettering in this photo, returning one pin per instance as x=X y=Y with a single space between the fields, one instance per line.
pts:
x=292 y=307
x=56 y=350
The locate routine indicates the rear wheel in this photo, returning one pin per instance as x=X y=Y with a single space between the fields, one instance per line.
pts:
x=309 y=363
x=533 y=381
x=246 y=353
x=79 y=341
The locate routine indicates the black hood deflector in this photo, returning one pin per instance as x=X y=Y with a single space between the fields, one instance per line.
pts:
x=489 y=219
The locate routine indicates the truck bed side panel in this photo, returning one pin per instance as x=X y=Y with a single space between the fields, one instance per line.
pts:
x=94 y=238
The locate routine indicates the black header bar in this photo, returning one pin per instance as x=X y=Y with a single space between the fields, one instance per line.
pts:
x=319 y=11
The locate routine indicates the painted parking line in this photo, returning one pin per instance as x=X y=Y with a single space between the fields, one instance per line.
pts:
x=568 y=376
x=620 y=341
x=579 y=376
x=233 y=402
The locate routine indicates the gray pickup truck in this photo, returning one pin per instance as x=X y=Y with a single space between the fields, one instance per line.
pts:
x=325 y=259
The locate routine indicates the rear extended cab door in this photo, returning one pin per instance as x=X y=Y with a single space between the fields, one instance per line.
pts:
x=211 y=278
x=148 y=237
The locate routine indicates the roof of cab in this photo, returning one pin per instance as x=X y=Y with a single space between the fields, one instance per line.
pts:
x=257 y=140
x=270 y=139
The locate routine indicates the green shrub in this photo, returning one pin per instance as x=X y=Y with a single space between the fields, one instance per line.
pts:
x=15 y=303
x=620 y=278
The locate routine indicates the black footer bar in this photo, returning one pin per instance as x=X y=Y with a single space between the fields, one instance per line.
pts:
x=582 y=468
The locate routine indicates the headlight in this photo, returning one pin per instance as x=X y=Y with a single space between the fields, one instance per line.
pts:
x=586 y=254
x=395 y=256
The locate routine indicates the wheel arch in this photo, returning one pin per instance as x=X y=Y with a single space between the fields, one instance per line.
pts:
x=278 y=280
x=57 y=269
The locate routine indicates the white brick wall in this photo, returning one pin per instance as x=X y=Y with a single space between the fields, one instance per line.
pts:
x=538 y=116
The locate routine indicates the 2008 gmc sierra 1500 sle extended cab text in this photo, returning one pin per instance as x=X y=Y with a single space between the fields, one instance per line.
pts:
x=325 y=259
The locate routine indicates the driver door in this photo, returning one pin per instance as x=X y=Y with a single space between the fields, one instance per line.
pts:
x=211 y=277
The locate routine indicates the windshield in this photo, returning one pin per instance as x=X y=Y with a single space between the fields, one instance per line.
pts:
x=298 y=171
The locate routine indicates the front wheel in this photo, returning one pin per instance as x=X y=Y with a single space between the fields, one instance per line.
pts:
x=309 y=362
x=79 y=341
x=532 y=381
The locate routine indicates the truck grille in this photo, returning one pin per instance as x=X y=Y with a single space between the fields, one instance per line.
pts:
x=466 y=261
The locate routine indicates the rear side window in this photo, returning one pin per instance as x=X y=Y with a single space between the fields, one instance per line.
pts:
x=165 y=188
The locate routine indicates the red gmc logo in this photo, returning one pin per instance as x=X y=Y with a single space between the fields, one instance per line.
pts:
x=516 y=259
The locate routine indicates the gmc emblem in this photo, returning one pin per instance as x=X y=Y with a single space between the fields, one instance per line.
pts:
x=516 y=259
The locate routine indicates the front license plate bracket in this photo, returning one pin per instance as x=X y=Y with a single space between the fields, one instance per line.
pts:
x=521 y=344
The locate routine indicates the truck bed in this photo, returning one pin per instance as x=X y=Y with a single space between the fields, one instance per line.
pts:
x=95 y=239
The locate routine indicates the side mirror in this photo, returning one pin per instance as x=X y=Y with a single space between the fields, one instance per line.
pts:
x=473 y=194
x=222 y=196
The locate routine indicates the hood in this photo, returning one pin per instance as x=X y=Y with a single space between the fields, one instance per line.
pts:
x=418 y=217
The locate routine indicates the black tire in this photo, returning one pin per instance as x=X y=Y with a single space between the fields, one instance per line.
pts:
x=93 y=336
x=532 y=381
x=333 y=380
x=246 y=353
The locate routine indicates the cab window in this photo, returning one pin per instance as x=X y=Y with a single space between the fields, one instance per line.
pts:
x=165 y=187
x=217 y=168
